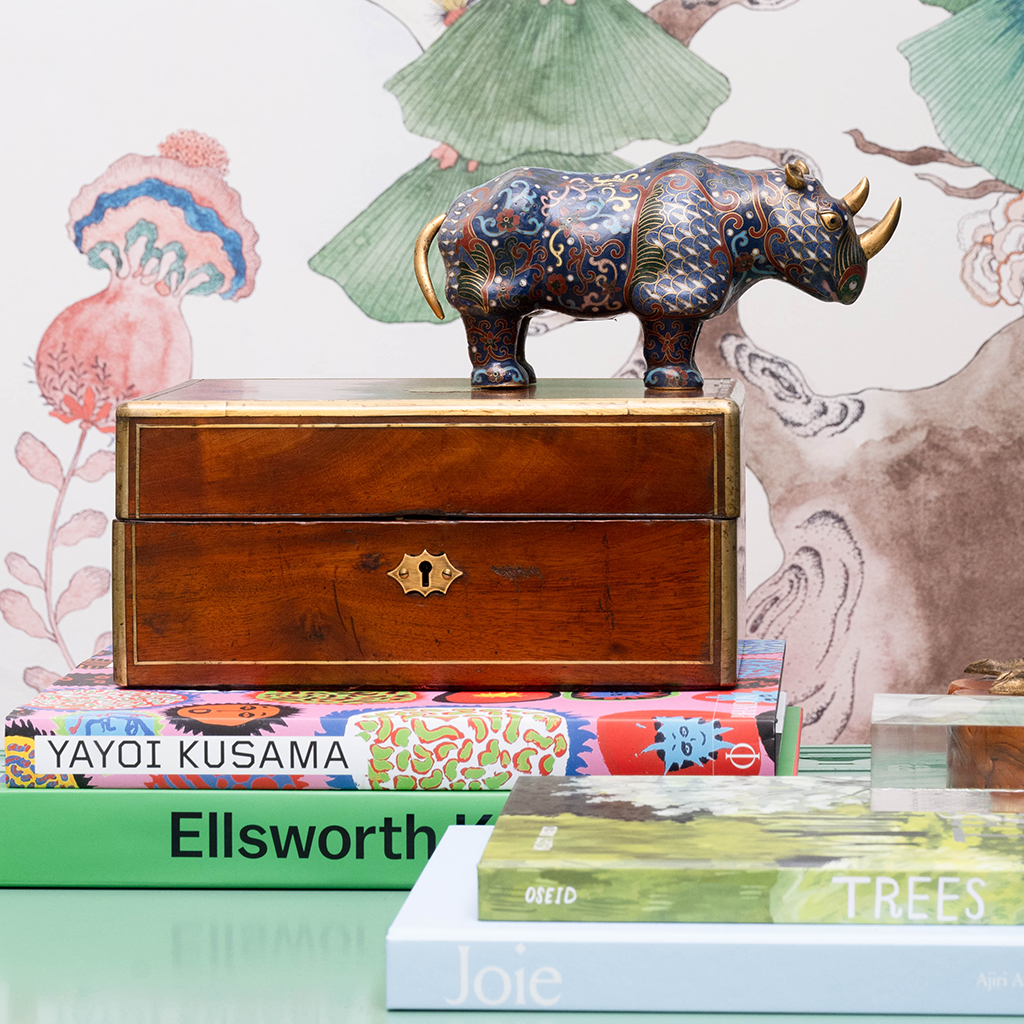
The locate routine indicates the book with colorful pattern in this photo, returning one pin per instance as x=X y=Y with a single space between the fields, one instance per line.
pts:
x=85 y=732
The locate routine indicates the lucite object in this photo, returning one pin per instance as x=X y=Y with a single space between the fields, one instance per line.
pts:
x=949 y=752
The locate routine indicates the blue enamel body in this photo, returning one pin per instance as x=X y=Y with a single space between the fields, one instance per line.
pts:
x=674 y=242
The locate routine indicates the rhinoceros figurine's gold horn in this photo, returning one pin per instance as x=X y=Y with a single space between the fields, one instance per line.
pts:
x=419 y=259
x=857 y=196
x=874 y=239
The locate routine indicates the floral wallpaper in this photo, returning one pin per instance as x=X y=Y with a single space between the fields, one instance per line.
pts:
x=882 y=440
x=162 y=227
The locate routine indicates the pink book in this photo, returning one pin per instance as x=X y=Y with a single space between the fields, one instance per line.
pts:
x=85 y=732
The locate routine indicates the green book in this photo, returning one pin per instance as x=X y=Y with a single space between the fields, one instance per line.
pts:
x=806 y=849
x=273 y=839
x=787 y=759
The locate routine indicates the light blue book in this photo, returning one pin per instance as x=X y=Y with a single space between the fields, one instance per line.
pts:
x=440 y=957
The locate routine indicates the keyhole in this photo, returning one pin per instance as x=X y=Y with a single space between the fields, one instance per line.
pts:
x=425 y=570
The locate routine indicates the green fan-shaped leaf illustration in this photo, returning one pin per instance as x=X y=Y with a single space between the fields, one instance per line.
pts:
x=953 y=6
x=970 y=72
x=516 y=76
x=371 y=257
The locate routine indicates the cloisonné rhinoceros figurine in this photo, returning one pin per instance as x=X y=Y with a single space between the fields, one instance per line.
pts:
x=674 y=242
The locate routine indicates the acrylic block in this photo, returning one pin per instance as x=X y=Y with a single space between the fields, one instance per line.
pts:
x=949 y=752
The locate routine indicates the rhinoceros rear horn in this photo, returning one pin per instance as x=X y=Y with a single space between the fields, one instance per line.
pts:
x=874 y=239
x=857 y=196
x=795 y=174
x=419 y=259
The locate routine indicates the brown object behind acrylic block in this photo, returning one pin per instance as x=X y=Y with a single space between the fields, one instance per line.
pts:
x=268 y=532
x=984 y=757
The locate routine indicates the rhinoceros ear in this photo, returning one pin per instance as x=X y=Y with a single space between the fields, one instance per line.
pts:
x=795 y=174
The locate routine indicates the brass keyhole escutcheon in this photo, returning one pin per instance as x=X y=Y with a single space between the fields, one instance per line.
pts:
x=425 y=573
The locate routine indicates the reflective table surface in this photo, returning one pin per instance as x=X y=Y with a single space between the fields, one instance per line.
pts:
x=216 y=957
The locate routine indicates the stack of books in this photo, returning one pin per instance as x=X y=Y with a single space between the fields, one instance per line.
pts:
x=785 y=895
x=334 y=789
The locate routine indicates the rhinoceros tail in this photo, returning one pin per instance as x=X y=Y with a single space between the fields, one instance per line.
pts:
x=423 y=240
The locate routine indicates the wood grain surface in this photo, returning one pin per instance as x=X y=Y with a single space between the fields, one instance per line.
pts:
x=594 y=524
x=309 y=468
x=595 y=602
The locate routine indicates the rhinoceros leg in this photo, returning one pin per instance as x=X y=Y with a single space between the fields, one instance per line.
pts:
x=524 y=329
x=668 y=350
x=493 y=343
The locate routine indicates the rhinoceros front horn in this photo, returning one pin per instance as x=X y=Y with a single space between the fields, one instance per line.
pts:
x=873 y=240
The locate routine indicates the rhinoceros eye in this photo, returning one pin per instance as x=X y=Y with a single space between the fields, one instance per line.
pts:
x=831 y=221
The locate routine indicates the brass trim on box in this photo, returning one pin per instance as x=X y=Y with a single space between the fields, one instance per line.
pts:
x=729 y=590
x=121 y=492
x=439 y=661
x=482 y=410
x=137 y=474
x=708 y=421
x=732 y=455
x=470 y=404
x=119 y=607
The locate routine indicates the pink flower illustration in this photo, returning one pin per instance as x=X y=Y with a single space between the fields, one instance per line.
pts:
x=993 y=241
x=164 y=227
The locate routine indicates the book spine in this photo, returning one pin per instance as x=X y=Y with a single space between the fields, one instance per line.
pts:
x=838 y=893
x=711 y=974
x=452 y=748
x=827 y=760
x=227 y=839
x=789 y=747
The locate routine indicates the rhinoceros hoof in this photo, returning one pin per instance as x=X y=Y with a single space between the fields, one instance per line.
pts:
x=508 y=374
x=673 y=378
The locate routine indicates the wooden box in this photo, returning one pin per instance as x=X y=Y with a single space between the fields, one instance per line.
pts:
x=578 y=533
